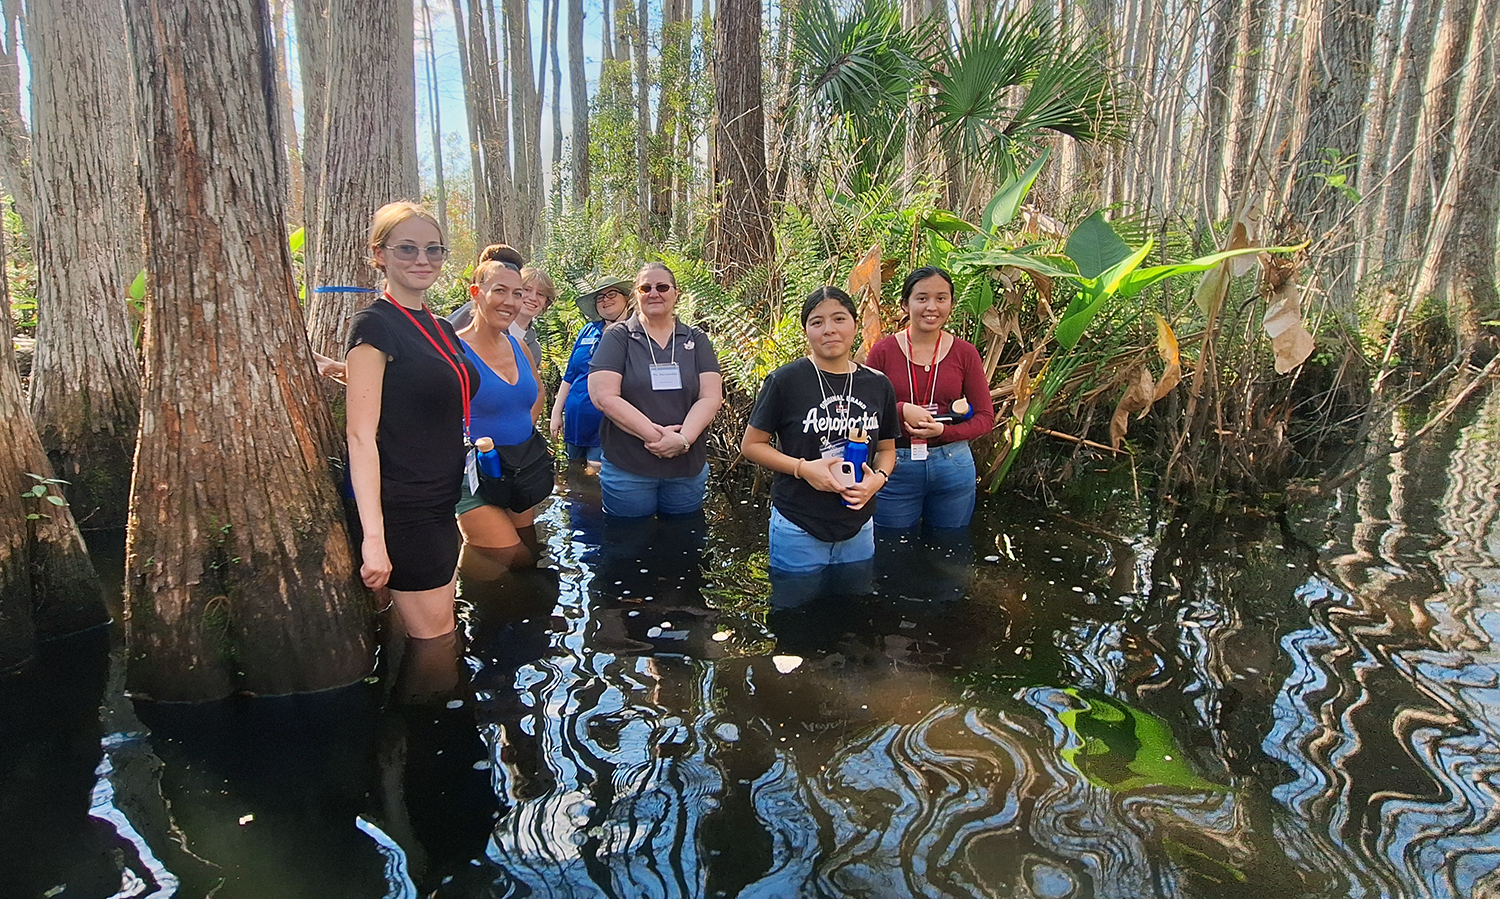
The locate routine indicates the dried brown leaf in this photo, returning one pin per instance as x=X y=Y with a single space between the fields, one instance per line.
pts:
x=1166 y=347
x=1138 y=398
x=1290 y=338
x=864 y=285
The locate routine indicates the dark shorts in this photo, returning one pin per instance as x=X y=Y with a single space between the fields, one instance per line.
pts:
x=423 y=546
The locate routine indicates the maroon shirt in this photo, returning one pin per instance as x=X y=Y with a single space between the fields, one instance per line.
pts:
x=958 y=374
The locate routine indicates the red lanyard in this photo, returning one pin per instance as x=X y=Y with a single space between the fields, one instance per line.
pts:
x=911 y=381
x=451 y=357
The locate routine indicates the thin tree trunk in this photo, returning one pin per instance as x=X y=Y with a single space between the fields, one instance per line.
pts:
x=741 y=235
x=371 y=156
x=429 y=61
x=557 y=126
x=295 y=214
x=578 y=88
x=1224 y=17
x=480 y=214
x=638 y=31
x=607 y=49
x=15 y=143
x=525 y=118
x=313 y=48
x=48 y=587
x=1244 y=102
x=239 y=575
x=1405 y=111
x=85 y=381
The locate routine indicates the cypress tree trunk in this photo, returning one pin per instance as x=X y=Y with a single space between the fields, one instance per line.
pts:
x=238 y=568
x=578 y=87
x=371 y=153
x=15 y=143
x=741 y=234
x=85 y=382
x=47 y=583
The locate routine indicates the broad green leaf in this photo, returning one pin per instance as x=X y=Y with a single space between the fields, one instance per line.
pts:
x=1003 y=208
x=296 y=240
x=945 y=222
x=1096 y=293
x=1141 y=279
x=1051 y=266
x=137 y=289
x=1095 y=247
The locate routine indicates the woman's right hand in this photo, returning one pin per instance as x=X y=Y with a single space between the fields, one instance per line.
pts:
x=818 y=473
x=555 y=425
x=375 y=570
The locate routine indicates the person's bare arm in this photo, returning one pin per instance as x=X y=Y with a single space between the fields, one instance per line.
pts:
x=756 y=446
x=555 y=425
x=366 y=374
x=604 y=391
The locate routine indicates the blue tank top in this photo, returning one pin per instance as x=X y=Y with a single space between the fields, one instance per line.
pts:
x=501 y=411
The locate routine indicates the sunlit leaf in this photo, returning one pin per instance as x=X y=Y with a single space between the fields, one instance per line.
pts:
x=945 y=222
x=1166 y=347
x=1095 y=247
x=1002 y=210
x=1212 y=289
x=1049 y=266
x=137 y=289
x=864 y=286
x=1096 y=295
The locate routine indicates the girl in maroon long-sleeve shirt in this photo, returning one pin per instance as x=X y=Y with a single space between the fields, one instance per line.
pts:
x=944 y=400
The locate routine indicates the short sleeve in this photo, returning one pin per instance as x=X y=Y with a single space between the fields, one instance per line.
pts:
x=703 y=352
x=370 y=327
x=890 y=426
x=578 y=360
x=610 y=354
x=765 y=416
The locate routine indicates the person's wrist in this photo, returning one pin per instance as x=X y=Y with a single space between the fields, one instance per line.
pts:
x=797 y=470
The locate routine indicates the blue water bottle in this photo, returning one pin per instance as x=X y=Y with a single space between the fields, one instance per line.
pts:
x=857 y=452
x=488 y=457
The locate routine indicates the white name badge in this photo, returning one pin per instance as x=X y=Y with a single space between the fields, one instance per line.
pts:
x=918 y=450
x=471 y=471
x=666 y=376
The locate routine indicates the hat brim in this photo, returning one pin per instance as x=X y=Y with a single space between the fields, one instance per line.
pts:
x=588 y=303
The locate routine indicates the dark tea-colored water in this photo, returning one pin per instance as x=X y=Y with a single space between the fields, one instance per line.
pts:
x=1063 y=702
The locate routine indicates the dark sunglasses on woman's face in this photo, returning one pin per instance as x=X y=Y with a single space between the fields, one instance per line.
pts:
x=408 y=252
x=646 y=288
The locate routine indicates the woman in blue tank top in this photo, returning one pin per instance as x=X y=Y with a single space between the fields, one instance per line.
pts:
x=504 y=409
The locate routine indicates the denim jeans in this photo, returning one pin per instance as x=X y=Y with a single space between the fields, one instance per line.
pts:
x=577 y=453
x=630 y=495
x=795 y=551
x=938 y=490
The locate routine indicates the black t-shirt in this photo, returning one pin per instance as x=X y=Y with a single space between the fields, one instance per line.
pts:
x=800 y=406
x=626 y=350
x=421 y=432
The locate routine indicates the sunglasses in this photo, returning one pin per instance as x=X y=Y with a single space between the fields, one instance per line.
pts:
x=644 y=289
x=409 y=252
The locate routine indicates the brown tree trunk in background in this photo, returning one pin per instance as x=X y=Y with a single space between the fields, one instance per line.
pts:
x=479 y=217
x=673 y=80
x=1250 y=44
x=640 y=24
x=740 y=237
x=1459 y=266
x=1334 y=81
x=578 y=87
x=48 y=587
x=239 y=575
x=85 y=381
x=525 y=118
x=312 y=62
x=557 y=126
x=430 y=68
x=607 y=41
x=15 y=144
x=1433 y=143
x=294 y=213
x=370 y=157
x=1224 y=23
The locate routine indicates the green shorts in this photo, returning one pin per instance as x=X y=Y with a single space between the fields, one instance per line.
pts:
x=467 y=501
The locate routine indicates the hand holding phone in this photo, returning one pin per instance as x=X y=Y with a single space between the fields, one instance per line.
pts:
x=844 y=473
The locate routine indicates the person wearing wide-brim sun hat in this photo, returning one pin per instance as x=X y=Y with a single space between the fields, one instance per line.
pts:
x=573 y=414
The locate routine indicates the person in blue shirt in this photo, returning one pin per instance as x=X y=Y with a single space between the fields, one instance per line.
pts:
x=573 y=415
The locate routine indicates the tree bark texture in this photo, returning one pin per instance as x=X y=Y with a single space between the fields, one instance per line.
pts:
x=741 y=233
x=1459 y=266
x=15 y=143
x=526 y=119
x=239 y=574
x=370 y=157
x=312 y=60
x=85 y=381
x=48 y=587
x=578 y=87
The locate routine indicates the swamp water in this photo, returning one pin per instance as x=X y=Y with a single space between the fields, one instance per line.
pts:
x=1052 y=706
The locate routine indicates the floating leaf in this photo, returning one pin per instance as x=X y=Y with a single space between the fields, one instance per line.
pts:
x=1283 y=324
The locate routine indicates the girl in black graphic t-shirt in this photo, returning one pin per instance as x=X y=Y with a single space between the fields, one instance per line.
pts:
x=809 y=407
x=409 y=390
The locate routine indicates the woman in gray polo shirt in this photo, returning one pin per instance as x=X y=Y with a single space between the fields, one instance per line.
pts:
x=657 y=382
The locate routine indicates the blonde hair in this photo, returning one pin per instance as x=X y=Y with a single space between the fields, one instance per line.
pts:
x=390 y=215
x=543 y=281
x=493 y=257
